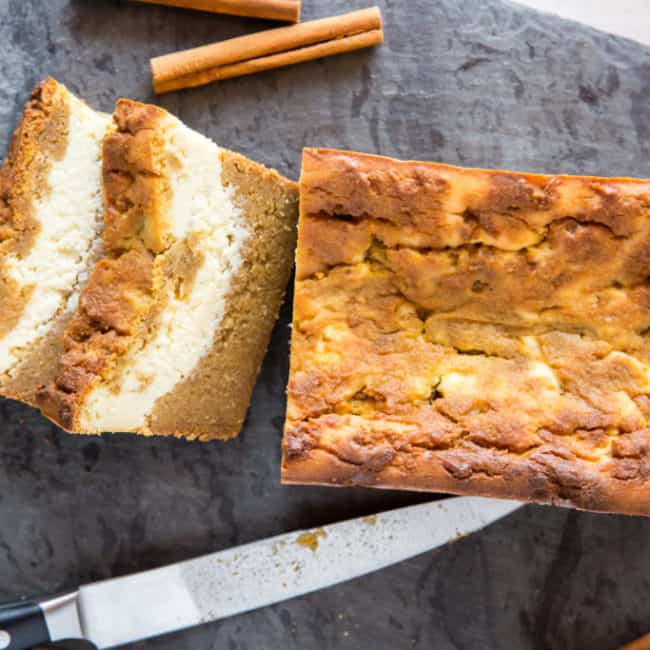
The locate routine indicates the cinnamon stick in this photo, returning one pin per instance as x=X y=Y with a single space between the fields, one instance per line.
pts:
x=265 y=50
x=287 y=10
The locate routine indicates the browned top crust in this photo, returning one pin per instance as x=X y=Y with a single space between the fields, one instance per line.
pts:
x=117 y=301
x=471 y=331
x=39 y=139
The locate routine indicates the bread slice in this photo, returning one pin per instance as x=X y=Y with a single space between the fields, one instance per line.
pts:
x=50 y=224
x=173 y=325
x=471 y=331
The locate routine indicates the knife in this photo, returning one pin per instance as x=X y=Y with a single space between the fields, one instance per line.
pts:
x=123 y=610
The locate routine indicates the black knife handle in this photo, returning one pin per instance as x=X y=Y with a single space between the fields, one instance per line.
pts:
x=22 y=626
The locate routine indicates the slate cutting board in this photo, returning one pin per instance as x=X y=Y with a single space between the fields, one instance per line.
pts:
x=481 y=83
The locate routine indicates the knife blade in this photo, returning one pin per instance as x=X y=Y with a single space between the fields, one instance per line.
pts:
x=222 y=584
x=627 y=18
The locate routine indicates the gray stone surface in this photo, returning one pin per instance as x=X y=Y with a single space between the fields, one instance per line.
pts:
x=474 y=82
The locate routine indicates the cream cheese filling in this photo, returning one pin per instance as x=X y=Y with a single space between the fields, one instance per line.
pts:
x=201 y=207
x=70 y=220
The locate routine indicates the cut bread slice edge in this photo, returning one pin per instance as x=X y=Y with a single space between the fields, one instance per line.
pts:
x=50 y=229
x=173 y=325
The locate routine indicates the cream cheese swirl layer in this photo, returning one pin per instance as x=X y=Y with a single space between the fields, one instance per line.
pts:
x=200 y=208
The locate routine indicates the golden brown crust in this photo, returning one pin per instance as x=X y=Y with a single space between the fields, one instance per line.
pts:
x=213 y=401
x=642 y=643
x=40 y=138
x=471 y=331
x=37 y=366
x=135 y=187
x=116 y=304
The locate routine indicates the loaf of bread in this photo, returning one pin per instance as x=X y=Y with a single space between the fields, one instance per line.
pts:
x=471 y=331
x=173 y=324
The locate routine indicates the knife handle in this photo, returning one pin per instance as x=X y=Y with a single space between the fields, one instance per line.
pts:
x=22 y=626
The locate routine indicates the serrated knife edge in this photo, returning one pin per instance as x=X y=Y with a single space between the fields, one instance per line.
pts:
x=236 y=580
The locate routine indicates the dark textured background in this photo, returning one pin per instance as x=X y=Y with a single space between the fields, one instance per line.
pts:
x=473 y=82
